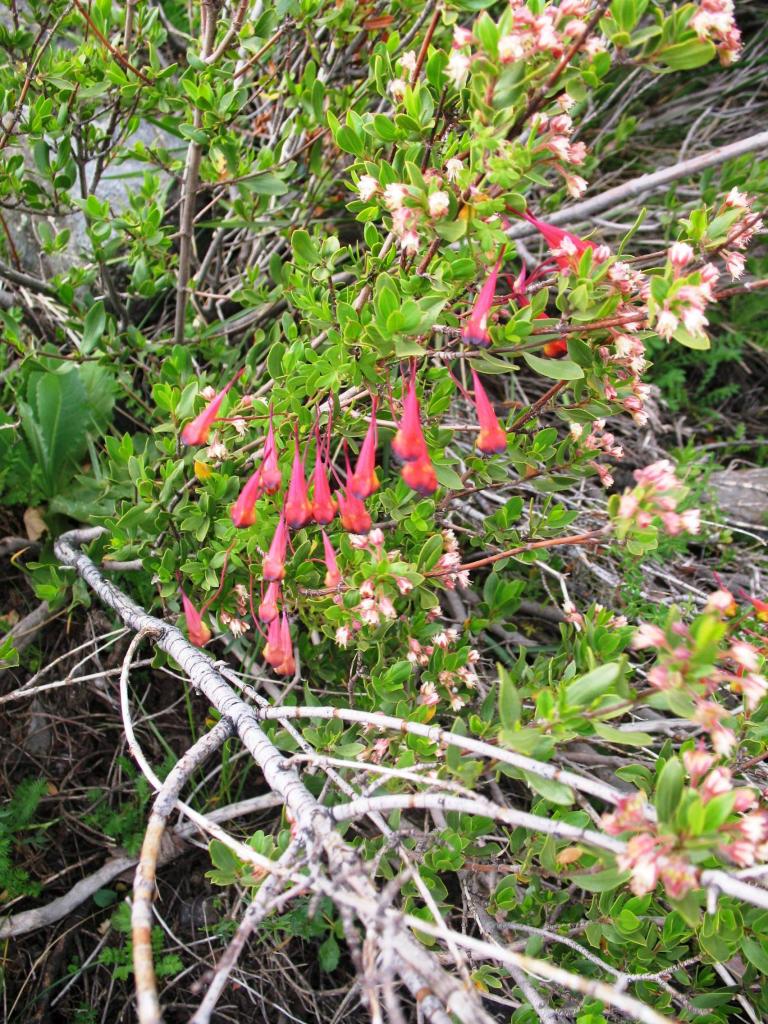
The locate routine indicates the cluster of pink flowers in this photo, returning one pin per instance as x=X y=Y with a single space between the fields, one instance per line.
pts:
x=408 y=217
x=449 y=563
x=601 y=441
x=736 y=666
x=649 y=857
x=450 y=682
x=714 y=20
x=554 y=137
x=688 y=297
x=741 y=232
x=657 y=495
x=652 y=857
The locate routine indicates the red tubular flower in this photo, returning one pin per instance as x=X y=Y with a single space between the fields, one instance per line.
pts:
x=476 y=328
x=268 y=609
x=323 y=505
x=492 y=439
x=198 y=632
x=198 y=430
x=287 y=666
x=408 y=443
x=243 y=511
x=761 y=607
x=271 y=476
x=355 y=517
x=364 y=480
x=566 y=247
x=298 y=508
x=555 y=349
x=273 y=565
x=273 y=651
x=332 y=575
x=420 y=475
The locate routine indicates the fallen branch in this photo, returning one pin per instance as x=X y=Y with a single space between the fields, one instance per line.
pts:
x=631 y=190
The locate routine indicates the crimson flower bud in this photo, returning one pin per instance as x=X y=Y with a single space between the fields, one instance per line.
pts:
x=332 y=575
x=492 y=439
x=268 y=609
x=364 y=480
x=567 y=248
x=323 y=505
x=273 y=565
x=271 y=476
x=198 y=632
x=408 y=443
x=273 y=651
x=476 y=328
x=198 y=430
x=243 y=511
x=420 y=475
x=298 y=508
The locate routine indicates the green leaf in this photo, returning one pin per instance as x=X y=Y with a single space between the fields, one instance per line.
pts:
x=304 y=248
x=328 y=954
x=550 y=789
x=555 y=369
x=55 y=423
x=430 y=553
x=669 y=789
x=601 y=881
x=700 y=342
x=582 y=691
x=93 y=327
x=509 y=700
x=629 y=739
x=756 y=953
x=266 y=184
x=687 y=56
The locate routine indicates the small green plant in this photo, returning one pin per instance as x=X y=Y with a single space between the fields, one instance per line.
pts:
x=19 y=832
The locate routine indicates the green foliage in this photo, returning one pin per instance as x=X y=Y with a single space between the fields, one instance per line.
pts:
x=19 y=834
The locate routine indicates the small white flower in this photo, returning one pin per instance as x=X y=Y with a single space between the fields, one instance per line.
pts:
x=342 y=636
x=439 y=204
x=394 y=195
x=457 y=68
x=453 y=168
x=408 y=62
x=397 y=88
x=367 y=187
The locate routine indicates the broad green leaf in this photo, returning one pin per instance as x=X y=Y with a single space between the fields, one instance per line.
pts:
x=582 y=691
x=555 y=369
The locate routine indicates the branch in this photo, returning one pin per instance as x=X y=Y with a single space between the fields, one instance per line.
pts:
x=347 y=881
x=636 y=187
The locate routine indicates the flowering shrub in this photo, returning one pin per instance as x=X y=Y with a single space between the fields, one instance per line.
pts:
x=350 y=464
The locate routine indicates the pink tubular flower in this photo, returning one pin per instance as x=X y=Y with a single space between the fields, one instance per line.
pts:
x=492 y=439
x=648 y=635
x=332 y=574
x=323 y=504
x=629 y=816
x=475 y=330
x=364 y=480
x=567 y=248
x=680 y=255
x=243 y=511
x=408 y=443
x=271 y=476
x=198 y=632
x=298 y=509
x=273 y=565
x=697 y=763
x=198 y=430
x=355 y=517
x=643 y=860
x=678 y=877
x=269 y=607
x=420 y=476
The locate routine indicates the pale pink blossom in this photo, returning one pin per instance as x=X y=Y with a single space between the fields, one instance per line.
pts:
x=367 y=187
x=438 y=203
x=680 y=255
